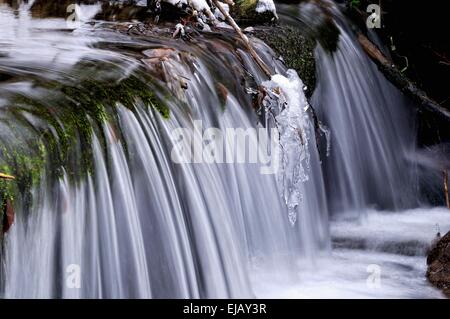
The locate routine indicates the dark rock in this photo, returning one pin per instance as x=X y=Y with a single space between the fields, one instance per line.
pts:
x=439 y=264
x=122 y=12
x=8 y=216
x=296 y=49
x=55 y=9
x=316 y=20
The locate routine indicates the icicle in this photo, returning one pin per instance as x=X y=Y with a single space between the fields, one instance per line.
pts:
x=286 y=99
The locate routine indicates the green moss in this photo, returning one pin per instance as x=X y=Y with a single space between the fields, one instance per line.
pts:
x=64 y=117
x=245 y=6
x=244 y=12
x=355 y=3
x=26 y=166
x=296 y=50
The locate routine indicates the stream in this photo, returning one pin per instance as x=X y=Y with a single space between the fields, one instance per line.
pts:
x=88 y=121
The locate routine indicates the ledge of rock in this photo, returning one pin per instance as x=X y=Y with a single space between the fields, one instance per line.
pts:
x=439 y=264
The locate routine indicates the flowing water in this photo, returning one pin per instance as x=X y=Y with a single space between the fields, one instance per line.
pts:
x=362 y=108
x=108 y=201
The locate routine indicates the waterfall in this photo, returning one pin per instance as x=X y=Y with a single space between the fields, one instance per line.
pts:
x=139 y=225
x=372 y=124
x=372 y=128
x=107 y=206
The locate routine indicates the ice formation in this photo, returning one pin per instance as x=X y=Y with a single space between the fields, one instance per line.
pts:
x=294 y=126
x=202 y=6
x=199 y=5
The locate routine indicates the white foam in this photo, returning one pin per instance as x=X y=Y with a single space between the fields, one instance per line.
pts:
x=345 y=272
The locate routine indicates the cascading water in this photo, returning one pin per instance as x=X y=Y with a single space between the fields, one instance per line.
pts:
x=362 y=109
x=137 y=221
x=140 y=225
x=371 y=123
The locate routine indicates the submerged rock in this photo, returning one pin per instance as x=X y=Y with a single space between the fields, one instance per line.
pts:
x=439 y=264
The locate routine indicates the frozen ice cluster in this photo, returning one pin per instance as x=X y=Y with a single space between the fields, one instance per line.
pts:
x=295 y=128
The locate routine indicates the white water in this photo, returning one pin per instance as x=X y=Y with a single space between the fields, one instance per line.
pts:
x=142 y=226
x=394 y=244
x=372 y=126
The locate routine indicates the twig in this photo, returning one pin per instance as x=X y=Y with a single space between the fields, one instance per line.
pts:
x=444 y=61
x=397 y=78
x=244 y=38
x=6 y=176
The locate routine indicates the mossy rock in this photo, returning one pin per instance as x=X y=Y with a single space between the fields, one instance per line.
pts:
x=296 y=50
x=65 y=116
x=244 y=12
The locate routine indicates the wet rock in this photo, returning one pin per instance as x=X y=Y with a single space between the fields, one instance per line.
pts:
x=167 y=65
x=154 y=57
x=15 y=4
x=296 y=49
x=222 y=93
x=122 y=12
x=315 y=19
x=244 y=12
x=439 y=265
x=8 y=216
x=110 y=11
